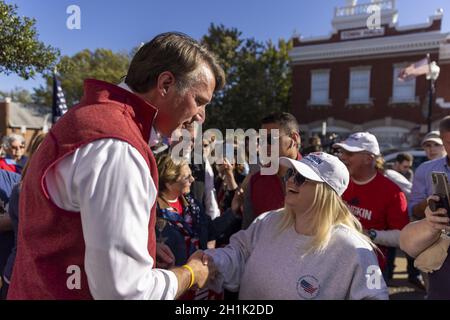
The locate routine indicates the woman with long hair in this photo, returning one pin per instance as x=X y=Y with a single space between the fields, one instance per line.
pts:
x=313 y=248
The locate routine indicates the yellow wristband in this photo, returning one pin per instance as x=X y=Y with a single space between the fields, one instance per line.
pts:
x=192 y=274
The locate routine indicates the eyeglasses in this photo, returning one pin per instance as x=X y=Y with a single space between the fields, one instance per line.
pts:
x=187 y=178
x=298 y=178
x=17 y=147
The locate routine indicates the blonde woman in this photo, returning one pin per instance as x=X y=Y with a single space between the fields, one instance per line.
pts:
x=311 y=249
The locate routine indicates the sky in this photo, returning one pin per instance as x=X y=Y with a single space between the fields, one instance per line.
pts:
x=121 y=25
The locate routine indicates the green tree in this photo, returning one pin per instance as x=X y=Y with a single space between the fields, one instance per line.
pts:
x=102 y=64
x=258 y=78
x=17 y=95
x=20 y=50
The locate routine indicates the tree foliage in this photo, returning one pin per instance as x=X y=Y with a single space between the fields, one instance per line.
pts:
x=20 y=50
x=102 y=64
x=17 y=95
x=258 y=78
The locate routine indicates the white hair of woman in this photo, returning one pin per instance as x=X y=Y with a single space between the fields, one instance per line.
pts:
x=8 y=140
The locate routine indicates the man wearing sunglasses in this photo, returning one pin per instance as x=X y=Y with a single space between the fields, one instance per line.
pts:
x=376 y=201
x=263 y=193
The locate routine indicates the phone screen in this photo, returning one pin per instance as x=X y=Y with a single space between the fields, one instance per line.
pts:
x=440 y=185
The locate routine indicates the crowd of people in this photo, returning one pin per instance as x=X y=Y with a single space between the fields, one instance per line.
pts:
x=102 y=209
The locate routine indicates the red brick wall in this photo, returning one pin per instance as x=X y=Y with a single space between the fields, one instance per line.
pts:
x=381 y=91
x=4 y=111
x=443 y=82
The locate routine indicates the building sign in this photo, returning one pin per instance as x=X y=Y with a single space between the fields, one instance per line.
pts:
x=361 y=33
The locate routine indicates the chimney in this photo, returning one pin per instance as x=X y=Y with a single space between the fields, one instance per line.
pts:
x=4 y=115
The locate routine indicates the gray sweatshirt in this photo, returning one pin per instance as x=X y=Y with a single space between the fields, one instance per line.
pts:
x=262 y=263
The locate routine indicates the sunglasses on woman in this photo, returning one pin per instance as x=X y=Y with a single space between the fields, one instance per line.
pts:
x=298 y=178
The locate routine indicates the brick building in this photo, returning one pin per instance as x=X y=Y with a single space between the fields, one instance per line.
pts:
x=27 y=120
x=348 y=79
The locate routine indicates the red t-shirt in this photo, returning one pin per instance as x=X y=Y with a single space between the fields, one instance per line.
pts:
x=177 y=206
x=378 y=205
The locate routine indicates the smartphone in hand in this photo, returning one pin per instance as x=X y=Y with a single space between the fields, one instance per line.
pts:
x=440 y=188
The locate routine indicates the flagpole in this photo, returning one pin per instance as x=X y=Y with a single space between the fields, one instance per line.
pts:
x=430 y=102
x=55 y=96
x=430 y=97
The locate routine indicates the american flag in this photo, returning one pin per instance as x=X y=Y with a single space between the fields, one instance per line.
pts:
x=416 y=69
x=59 y=106
x=308 y=287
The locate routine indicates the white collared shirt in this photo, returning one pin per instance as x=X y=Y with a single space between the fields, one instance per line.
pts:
x=109 y=183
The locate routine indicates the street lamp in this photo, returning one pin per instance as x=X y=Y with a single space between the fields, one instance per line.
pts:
x=432 y=77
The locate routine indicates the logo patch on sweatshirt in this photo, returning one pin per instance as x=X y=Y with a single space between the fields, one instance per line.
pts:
x=308 y=287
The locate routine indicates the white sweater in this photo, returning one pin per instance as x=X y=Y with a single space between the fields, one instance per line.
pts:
x=263 y=263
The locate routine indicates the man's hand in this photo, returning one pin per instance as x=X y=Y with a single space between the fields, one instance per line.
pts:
x=437 y=220
x=164 y=256
x=203 y=268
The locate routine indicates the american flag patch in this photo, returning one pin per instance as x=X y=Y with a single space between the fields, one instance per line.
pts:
x=308 y=287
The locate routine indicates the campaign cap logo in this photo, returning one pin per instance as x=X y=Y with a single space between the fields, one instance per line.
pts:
x=314 y=159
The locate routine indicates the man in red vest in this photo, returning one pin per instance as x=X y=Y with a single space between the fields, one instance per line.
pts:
x=264 y=192
x=87 y=210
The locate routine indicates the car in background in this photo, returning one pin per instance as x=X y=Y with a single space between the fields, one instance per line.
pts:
x=418 y=154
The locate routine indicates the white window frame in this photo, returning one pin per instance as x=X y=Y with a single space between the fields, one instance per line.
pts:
x=320 y=88
x=398 y=86
x=359 y=80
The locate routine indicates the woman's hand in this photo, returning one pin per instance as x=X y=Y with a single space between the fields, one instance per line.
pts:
x=238 y=201
x=228 y=178
x=227 y=167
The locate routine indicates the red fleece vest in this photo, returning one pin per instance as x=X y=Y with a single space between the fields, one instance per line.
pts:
x=50 y=239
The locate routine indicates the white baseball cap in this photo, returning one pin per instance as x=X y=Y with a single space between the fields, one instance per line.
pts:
x=360 y=141
x=321 y=167
x=432 y=136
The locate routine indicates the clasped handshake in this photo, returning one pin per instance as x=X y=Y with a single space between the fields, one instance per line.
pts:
x=203 y=268
x=200 y=266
